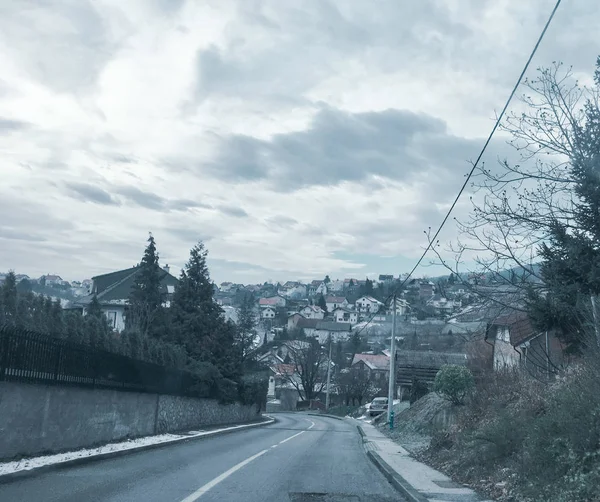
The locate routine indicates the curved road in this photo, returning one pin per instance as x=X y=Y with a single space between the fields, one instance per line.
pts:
x=300 y=458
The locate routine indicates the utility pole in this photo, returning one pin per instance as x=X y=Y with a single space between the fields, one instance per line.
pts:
x=328 y=376
x=595 y=315
x=392 y=379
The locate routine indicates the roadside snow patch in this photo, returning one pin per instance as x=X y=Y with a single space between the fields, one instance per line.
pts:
x=26 y=464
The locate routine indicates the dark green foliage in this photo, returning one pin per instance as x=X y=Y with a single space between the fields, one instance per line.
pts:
x=253 y=389
x=9 y=300
x=145 y=300
x=571 y=255
x=197 y=323
x=453 y=382
x=418 y=389
x=322 y=303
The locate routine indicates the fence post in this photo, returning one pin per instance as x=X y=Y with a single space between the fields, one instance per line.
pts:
x=57 y=362
x=3 y=353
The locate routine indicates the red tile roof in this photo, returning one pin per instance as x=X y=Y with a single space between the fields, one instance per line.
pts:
x=268 y=301
x=373 y=361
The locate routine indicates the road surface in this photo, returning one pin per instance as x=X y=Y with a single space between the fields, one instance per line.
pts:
x=300 y=458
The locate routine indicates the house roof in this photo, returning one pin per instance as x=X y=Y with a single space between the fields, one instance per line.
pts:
x=428 y=359
x=116 y=286
x=335 y=299
x=370 y=298
x=519 y=326
x=269 y=301
x=314 y=308
x=307 y=323
x=51 y=277
x=316 y=284
x=333 y=326
x=344 y=309
x=373 y=361
x=283 y=369
x=385 y=277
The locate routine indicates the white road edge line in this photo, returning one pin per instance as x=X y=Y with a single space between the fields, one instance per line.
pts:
x=291 y=437
x=312 y=424
x=205 y=488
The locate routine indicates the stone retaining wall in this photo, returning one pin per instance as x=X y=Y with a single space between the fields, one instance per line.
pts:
x=37 y=419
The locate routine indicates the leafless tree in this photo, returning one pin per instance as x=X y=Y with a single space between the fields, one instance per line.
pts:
x=515 y=204
x=308 y=367
x=357 y=385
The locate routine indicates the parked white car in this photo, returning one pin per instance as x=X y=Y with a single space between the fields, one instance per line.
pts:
x=378 y=405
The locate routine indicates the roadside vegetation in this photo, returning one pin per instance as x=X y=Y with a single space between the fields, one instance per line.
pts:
x=532 y=434
x=187 y=331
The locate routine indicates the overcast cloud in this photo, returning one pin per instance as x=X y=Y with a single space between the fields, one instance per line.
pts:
x=297 y=139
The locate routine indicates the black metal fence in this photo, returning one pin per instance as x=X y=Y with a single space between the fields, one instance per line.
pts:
x=36 y=358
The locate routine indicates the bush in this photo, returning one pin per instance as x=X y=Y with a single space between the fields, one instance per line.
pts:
x=453 y=383
x=418 y=389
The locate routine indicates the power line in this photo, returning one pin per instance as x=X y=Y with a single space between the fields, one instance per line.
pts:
x=470 y=174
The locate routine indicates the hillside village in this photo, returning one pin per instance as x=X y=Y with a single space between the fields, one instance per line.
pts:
x=438 y=321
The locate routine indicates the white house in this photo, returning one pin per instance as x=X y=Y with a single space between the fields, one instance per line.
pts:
x=342 y=314
x=321 y=289
x=402 y=307
x=112 y=291
x=267 y=313
x=333 y=302
x=51 y=280
x=312 y=312
x=367 y=304
x=336 y=286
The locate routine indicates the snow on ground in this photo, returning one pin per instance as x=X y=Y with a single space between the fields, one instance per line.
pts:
x=35 y=462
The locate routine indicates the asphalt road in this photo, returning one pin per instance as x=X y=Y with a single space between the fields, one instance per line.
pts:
x=301 y=458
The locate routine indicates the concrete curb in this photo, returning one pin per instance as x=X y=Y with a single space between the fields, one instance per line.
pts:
x=325 y=415
x=398 y=482
x=25 y=473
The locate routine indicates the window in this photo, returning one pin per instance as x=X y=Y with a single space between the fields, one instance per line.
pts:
x=112 y=318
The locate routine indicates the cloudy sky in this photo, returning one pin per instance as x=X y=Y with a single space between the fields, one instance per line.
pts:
x=295 y=138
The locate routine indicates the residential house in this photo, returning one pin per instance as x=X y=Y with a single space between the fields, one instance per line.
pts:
x=333 y=302
x=312 y=312
x=346 y=315
x=336 y=286
x=368 y=304
x=292 y=320
x=273 y=301
x=442 y=305
x=113 y=289
x=402 y=307
x=293 y=290
x=386 y=278
x=51 y=280
x=518 y=343
x=312 y=287
x=87 y=284
x=376 y=367
x=426 y=289
x=226 y=287
x=267 y=313
x=325 y=329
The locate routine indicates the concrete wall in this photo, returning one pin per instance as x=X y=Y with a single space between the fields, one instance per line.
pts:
x=36 y=419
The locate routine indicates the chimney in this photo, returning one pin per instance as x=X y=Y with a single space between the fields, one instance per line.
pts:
x=167 y=269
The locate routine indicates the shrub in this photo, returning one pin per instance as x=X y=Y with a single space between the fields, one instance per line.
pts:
x=453 y=383
x=418 y=389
